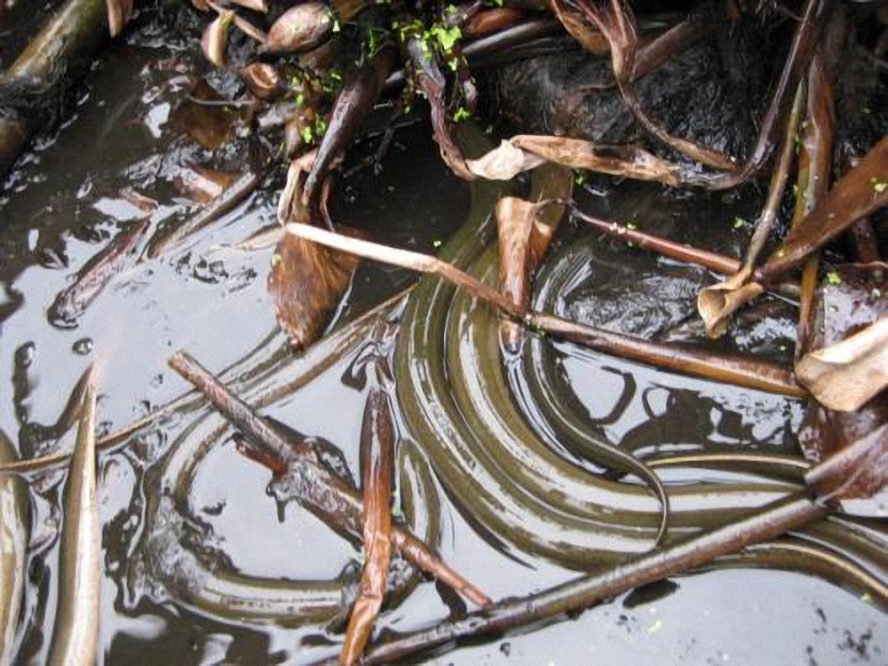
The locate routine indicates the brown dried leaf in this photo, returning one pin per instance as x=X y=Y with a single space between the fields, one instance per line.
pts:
x=856 y=478
x=377 y=472
x=290 y=207
x=515 y=219
x=262 y=80
x=503 y=162
x=861 y=191
x=201 y=184
x=255 y=5
x=848 y=374
x=119 y=12
x=210 y=125
x=215 y=38
x=300 y=28
x=850 y=301
x=717 y=303
x=306 y=282
x=626 y=161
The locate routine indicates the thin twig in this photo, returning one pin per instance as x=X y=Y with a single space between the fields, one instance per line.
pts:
x=744 y=372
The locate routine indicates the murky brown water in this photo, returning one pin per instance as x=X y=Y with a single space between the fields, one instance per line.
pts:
x=64 y=205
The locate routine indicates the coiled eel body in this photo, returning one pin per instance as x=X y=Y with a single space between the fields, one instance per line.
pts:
x=456 y=402
x=506 y=477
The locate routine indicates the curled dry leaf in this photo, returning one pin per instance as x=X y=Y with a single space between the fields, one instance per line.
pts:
x=300 y=28
x=504 y=162
x=717 y=303
x=848 y=302
x=525 y=151
x=306 y=282
x=290 y=208
x=119 y=12
x=262 y=80
x=848 y=374
x=201 y=5
x=215 y=38
x=377 y=472
x=13 y=546
x=515 y=220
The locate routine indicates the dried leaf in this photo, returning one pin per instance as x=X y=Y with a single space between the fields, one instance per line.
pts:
x=515 y=219
x=255 y=5
x=201 y=184
x=504 y=162
x=119 y=12
x=215 y=38
x=856 y=477
x=430 y=81
x=848 y=374
x=262 y=80
x=306 y=282
x=300 y=28
x=529 y=151
x=210 y=125
x=290 y=207
x=75 y=634
x=861 y=191
x=377 y=473
x=360 y=91
x=850 y=300
x=717 y=303
x=491 y=20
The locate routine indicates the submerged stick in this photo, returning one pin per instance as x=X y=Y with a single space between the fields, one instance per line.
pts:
x=75 y=634
x=228 y=200
x=772 y=521
x=686 y=253
x=71 y=303
x=324 y=494
x=67 y=39
x=743 y=372
x=341 y=340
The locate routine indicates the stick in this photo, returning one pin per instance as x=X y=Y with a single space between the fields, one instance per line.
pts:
x=754 y=374
x=325 y=495
x=69 y=37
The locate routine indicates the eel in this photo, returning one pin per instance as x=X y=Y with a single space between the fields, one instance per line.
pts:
x=203 y=580
x=460 y=422
x=505 y=477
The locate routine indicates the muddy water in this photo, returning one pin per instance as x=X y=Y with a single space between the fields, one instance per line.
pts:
x=64 y=205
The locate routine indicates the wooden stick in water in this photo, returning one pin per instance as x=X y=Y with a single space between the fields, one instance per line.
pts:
x=741 y=371
x=325 y=495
